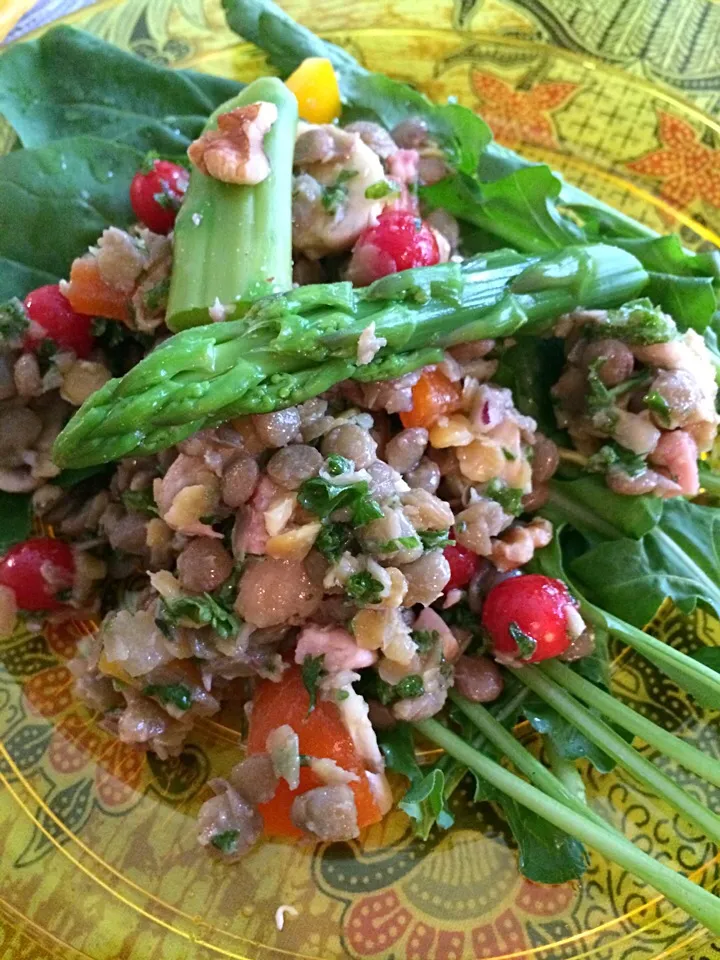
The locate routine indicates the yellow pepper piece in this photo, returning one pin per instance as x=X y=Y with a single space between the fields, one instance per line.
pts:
x=112 y=669
x=315 y=85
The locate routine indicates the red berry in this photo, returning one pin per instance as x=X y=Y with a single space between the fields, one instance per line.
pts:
x=37 y=571
x=155 y=195
x=533 y=608
x=397 y=242
x=56 y=320
x=464 y=564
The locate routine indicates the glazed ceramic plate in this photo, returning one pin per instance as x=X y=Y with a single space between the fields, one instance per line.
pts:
x=98 y=855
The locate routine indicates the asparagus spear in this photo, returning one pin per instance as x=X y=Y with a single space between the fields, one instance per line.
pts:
x=233 y=242
x=291 y=347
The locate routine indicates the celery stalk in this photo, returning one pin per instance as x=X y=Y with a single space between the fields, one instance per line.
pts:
x=233 y=243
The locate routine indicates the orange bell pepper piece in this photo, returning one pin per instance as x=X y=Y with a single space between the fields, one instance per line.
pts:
x=315 y=85
x=433 y=396
x=88 y=292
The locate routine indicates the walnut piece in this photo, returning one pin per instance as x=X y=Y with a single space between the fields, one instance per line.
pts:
x=234 y=152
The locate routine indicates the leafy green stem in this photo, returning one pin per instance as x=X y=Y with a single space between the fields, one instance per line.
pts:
x=696 y=901
x=710 y=481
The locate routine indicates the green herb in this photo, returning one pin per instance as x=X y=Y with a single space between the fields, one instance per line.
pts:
x=46 y=351
x=509 y=455
x=201 y=610
x=333 y=540
x=435 y=539
x=635 y=322
x=167 y=200
x=425 y=640
x=312 y=670
x=337 y=465
x=656 y=402
x=525 y=643
x=15 y=519
x=364 y=588
x=141 y=501
x=383 y=188
x=155 y=299
x=335 y=195
x=599 y=398
x=13 y=320
x=227 y=841
x=613 y=455
x=323 y=498
x=176 y=694
x=509 y=498
x=342 y=695
x=399 y=543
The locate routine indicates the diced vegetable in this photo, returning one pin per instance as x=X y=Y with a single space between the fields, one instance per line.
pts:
x=321 y=734
x=433 y=396
x=233 y=242
x=89 y=294
x=315 y=85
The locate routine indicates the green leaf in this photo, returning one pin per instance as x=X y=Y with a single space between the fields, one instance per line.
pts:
x=398 y=749
x=611 y=454
x=15 y=519
x=141 y=501
x=363 y=587
x=709 y=656
x=509 y=498
x=435 y=539
x=56 y=201
x=201 y=610
x=13 y=320
x=569 y=742
x=596 y=511
x=520 y=209
x=526 y=644
x=638 y=321
x=337 y=465
x=333 y=540
x=530 y=368
x=177 y=694
x=323 y=498
x=69 y=82
x=679 y=558
x=424 y=802
x=311 y=671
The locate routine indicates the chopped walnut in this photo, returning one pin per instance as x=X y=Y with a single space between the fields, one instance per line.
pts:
x=234 y=152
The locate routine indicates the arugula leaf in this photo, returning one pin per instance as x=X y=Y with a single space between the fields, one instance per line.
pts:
x=709 y=657
x=72 y=477
x=15 y=519
x=520 y=208
x=679 y=558
x=56 y=201
x=546 y=854
x=202 y=610
x=311 y=671
x=177 y=694
x=424 y=802
x=365 y=95
x=69 y=82
x=530 y=368
x=227 y=841
x=568 y=741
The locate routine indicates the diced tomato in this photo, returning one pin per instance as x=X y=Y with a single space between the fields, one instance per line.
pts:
x=534 y=608
x=38 y=571
x=321 y=734
x=433 y=396
x=397 y=242
x=464 y=564
x=54 y=318
x=88 y=292
x=156 y=194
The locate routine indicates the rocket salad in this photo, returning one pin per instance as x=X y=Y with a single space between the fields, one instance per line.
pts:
x=338 y=409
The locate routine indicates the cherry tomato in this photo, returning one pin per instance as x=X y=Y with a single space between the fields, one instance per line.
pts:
x=397 y=242
x=464 y=564
x=533 y=609
x=56 y=320
x=155 y=195
x=38 y=571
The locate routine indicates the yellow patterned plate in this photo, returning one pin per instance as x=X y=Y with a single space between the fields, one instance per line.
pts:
x=97 y=851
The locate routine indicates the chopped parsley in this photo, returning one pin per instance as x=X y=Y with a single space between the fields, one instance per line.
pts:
x=409 y=688
x=322 y=498
x=13 y=320
x=364 y=588
x=177 y=694
x=46 y=352
x=381 y=189
x=508 y=454
x=612 y=455
x=155 y=299
x=525 y=643
x=201 y=610
x=509 y=498
x=337 y=465
x=311 y=672
x=660 y=407
x=333 y=540
x=141 y=501
x=335 y=194
x=637 y=321
x=400 y=543
x=425 y=639
x=435 y=539
x=227 y=841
